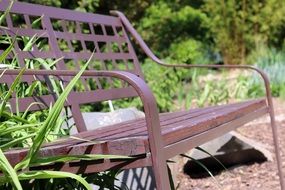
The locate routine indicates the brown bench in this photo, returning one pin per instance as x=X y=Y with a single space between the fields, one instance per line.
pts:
x=153 y=139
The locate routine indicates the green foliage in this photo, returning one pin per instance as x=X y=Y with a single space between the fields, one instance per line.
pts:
x=189 y=51
x=231 y=28
x=163 y=83
x=246 y=88
x=271 y=61
x=208 y=92
x=239 y=26
x=33 y=129
x=8 y=171
x=38 y=138
x=50 y=121
x=165 y=24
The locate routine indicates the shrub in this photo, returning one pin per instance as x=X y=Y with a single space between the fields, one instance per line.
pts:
x=272 y=62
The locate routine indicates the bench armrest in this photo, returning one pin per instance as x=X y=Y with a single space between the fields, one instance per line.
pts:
x=246 y=67
x=151 y=55
x=139 y=85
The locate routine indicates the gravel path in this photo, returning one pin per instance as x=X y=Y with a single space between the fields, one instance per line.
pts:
x=253 y=176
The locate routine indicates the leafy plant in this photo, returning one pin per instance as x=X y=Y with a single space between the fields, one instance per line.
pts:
x=189 y=51
x=271 y=61
x=238 y=27
x=32 y=132
x=163 y=83
x=38 y=138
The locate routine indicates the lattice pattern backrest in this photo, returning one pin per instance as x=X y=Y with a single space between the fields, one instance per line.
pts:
x=64 y=39
x=70 y=37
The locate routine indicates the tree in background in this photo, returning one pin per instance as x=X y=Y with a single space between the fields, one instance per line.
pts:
x=175 y=29
x=188 y=30
x=239 y=26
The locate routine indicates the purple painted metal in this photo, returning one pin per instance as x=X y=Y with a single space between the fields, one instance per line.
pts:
x=73 y=36
x=66 y=34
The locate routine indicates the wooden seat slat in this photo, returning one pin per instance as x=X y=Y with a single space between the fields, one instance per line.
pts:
x=132 y=128
x=187 y=119
x=125 y=127
x=193 y=125
x=136 y=146
x=173 y=133
x=137 y=136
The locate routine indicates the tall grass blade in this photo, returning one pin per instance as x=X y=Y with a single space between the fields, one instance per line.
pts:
x=11 y=90
x=3 y=72
x=205 y=168
x=50 y=121
x=30 y=43
x=15 y=141
x=29 y=107
x=3 y=16
x=17 y=128
x=69 y=158
x=206 y=152
x=9 y=172
x=53 y=174
x=49 y=66
x=172 y=186
x=35 y=22
x=7 y=51
x=8 y=115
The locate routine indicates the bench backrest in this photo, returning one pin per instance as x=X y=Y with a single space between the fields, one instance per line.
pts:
x=70 y=37
x=70 y=34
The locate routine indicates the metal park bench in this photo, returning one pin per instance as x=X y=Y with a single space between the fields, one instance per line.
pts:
x=151 y=140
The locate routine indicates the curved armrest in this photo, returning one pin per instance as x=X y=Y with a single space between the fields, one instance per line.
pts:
x=247 y=67
x=144 y=92
x=151 y=55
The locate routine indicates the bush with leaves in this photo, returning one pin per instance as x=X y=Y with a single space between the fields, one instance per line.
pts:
x=272 y=62
x=165 y=23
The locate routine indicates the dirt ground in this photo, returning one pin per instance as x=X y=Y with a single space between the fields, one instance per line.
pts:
x=248 y=177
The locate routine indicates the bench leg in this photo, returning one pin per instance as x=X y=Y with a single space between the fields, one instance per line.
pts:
x=160 y=172
x=276 y=145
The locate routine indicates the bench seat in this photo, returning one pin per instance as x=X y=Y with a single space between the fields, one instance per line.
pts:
x=176 y=126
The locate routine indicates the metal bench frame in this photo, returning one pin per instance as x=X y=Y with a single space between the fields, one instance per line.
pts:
x=159 y=151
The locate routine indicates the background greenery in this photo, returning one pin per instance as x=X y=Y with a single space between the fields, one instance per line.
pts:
x=186 y=29
x=201 y=32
